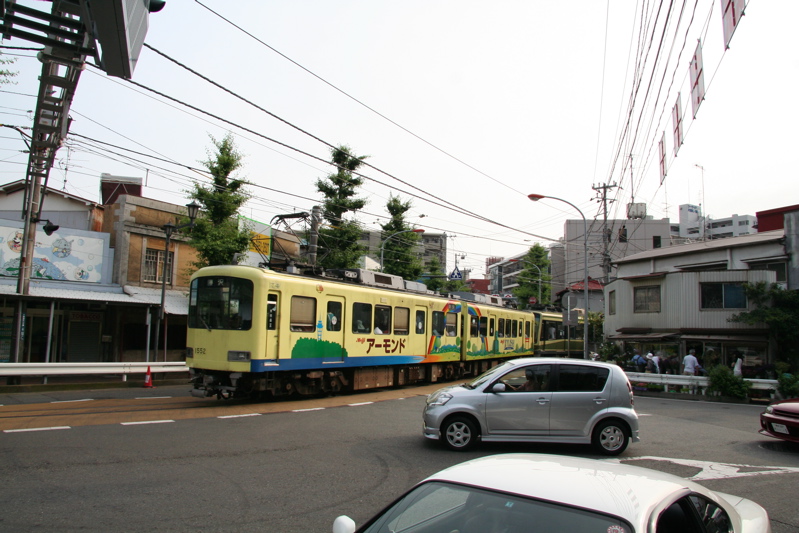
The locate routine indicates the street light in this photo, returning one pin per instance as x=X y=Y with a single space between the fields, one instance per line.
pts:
x=535 y=198
x=383 y=244
x=540 y=275
x=169 y=228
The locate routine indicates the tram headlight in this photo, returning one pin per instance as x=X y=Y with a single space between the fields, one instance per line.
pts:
x=233 y=355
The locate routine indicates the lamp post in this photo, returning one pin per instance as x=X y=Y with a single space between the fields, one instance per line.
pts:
x=535 y=198
x=540 y=275
x=383 y=244
x=169 y=228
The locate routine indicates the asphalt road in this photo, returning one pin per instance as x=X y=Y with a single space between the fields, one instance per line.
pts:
x=153 y=459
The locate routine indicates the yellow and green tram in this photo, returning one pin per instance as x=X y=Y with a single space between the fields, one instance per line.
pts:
x=254 y=331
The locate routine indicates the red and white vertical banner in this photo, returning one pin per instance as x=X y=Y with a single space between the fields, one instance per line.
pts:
x=662 y=148
x=697 y=79
x=731 y=13
x=676 y=117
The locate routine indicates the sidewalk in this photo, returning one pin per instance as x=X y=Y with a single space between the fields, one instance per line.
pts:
x=83 y=382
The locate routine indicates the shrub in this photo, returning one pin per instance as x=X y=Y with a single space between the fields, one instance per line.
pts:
x=788 y=385
x=725 y=383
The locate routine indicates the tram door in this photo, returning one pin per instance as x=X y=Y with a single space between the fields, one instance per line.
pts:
x=272 y=348
x=333 y=331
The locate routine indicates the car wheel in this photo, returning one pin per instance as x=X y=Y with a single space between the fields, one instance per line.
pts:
x=610 y=437
x=459 y=433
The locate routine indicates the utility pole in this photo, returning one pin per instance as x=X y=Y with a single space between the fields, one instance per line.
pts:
x=606 y=232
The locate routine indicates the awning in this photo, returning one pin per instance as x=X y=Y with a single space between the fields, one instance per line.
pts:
x=643 y=336
x=175 y=302
x=728 y=338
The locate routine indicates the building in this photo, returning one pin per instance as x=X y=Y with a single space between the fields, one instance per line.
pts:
x=693 y=225
x=96 y=287
x=683 y=297
x=430 y=245
x=607 y=241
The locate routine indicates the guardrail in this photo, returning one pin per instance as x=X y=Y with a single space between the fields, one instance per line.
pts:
x=698 y=383
x=76 y=369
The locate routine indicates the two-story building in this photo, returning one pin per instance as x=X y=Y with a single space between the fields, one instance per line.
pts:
x=683 y=297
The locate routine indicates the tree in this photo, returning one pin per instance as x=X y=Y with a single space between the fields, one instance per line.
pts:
x=398 y=251
x=529 y=277
x=217 y=235
x=338 y=243
x=435 y=277
x=778 y=309
x=5 y=74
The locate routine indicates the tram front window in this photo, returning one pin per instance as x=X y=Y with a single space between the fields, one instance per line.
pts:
x=221 y=302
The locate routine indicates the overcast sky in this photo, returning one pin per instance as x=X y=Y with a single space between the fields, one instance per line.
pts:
x=461 y=106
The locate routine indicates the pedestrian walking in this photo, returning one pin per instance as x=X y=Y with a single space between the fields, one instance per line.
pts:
x=639 y=361
x=737 y=366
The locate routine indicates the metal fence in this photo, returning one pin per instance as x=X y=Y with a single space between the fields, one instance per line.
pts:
x=699 y=384
x=79 y=369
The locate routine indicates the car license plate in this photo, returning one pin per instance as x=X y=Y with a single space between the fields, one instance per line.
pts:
x=779 y=428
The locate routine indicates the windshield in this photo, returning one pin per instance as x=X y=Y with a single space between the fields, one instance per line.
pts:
x=441 y=506
x=220 y=302
x=486 y=376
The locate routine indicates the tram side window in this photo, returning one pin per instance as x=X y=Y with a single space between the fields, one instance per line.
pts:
x=438 y=323
x=474 y=326
x=271 y=311
x=303 y=311
x=452 y=324
x=491 y=328
x=361 y=318
x=484 y=326
x=501 y=328
x=420 y=321
x=402 y=320
x=552 y=330
x=334 y=316
x=508 y=327
x=527 y=328
x=382 y=320
x=515 y=332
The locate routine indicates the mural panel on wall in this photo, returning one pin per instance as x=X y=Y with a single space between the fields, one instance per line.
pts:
x=58 y=256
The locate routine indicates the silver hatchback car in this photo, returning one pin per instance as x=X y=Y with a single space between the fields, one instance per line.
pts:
x=537 y=400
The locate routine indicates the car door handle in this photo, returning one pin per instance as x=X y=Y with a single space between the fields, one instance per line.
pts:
x=542 y=400
x=600 y=401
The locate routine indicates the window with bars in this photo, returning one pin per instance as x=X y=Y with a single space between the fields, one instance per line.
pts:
x=154 y=266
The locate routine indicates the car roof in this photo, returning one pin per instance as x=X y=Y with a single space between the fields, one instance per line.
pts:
x=561 y=360
x=625 y=491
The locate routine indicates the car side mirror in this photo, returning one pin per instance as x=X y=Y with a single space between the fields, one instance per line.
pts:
x=343 y=524
x=499 y=387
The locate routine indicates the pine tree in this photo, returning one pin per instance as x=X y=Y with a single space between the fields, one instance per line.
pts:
x=338 y=242
x=399 y=242
x=217 y=234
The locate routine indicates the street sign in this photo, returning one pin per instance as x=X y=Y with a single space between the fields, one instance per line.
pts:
x=533 y=300
x=456 y=274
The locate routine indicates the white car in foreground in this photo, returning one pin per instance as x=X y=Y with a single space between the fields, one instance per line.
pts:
x=523 y=493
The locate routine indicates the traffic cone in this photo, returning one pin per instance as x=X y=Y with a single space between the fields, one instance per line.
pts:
x=148 y=379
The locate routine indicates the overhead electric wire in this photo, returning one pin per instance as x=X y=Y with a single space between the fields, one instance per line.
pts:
x=280 y=143
x=316 y=138
x=359 y=102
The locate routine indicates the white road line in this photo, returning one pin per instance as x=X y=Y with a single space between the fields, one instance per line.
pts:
x=311 y=409
x=240 y=416
x=146 y=422
x=153 y=398
x=362 y=403
x=713 y=470
x=73 y=401
x=35 y=429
